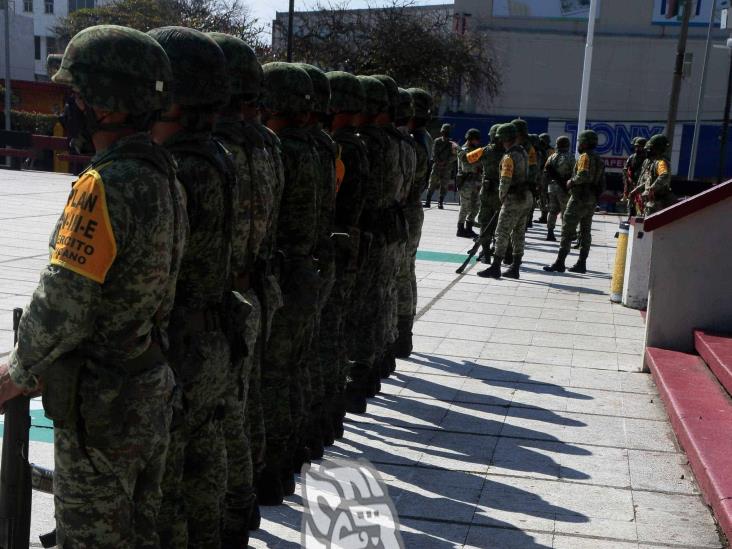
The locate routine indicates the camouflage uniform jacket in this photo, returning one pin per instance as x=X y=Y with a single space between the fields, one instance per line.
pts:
x=468 y=170
x=409 y=166
x=327 y=153
x=514 y=172
x=116 y=254
x=423 y=142
x=632 y=171
x=376 y=146
x=588 y=177
x=559 y=168
x=442 y=153
x=491 y=161
x=272 y=171
x=352 y=192
x=533 y=162
x=656 y=176
x=394 y=166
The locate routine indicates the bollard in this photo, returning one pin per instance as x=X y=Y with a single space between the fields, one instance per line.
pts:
x=616 y=286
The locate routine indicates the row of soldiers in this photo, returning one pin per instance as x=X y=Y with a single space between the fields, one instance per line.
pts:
x=232 y=273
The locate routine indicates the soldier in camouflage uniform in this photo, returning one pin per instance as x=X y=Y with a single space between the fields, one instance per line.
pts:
x=468 y=180
x=347 y=99
x=516 y=203
x=632 y=171
x=320 y=428
x=250 y=209
x=655 y=179
x=444 y=155
x=557 y=171
x=414 y=215
x=287 y=102
x=585 y=186
x=363 y=325
x=546 y=150
x=195 y=473
x=402 y=320
x=490 y=157
x=92 y=335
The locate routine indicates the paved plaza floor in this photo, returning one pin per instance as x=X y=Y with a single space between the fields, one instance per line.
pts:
x=521 y=421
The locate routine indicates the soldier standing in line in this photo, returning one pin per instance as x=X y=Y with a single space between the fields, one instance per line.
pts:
x=352 y=167
x=319 y=430
x=490 y=157
x=632 y=172
x=557 y=171
x=516 y=202
x=414 y=213
x=468 y=181
x=546 y=149
x=585 y=187
x=287 y=102
x=93 y=335
x=655 y=178
x=195 y=472
x=444 y=154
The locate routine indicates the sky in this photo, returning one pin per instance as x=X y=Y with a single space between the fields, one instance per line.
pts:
x=265 y=10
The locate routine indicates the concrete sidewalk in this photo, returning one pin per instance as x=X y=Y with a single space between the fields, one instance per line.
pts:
x=520 y=421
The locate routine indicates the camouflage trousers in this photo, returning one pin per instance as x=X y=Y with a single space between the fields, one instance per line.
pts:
x=490 y=205
x=109 y=467
x=195 y=471
x=283 y=367
x=542 y=197
x=558 y=198
x=240 y=469
x=440 y=179
x=512 y=219
x=469 y=200
x=407 y=274
x=578 y=212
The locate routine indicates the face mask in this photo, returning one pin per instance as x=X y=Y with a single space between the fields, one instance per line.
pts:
x=73 y=120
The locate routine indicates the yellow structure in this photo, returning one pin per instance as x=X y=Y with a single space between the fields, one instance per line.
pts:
x=616 y=286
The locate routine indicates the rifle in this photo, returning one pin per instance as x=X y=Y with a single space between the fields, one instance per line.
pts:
x=476 y=246
x=15 y=471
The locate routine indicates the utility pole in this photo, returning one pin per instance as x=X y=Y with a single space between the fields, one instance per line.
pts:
x=702 y=89
x=8 y=89
x=673 y=105
x=290 y=19
x=587 y=68
x=725 y=124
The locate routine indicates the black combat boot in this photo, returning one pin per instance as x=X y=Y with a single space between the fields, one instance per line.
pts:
x=441 y=205
x=428 y=201
x=374 y=385
x=485 y=255
x=513 y=270
x=469 y=232
x=255 y=518
x=542 y=218
x=287 y=478
x=558 y=265
x=269 y=487
x=355 y=399
x=314 y=441
x=338 y=413
x=494 y=271
x=403 y=345
x=460 y=230
x=581 y=265
x=391 y=360
x=550 y=235
x=508 y=258
x=326 y=428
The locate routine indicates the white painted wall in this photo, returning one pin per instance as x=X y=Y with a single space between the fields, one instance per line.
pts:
x=690 y=280
x=21 y=47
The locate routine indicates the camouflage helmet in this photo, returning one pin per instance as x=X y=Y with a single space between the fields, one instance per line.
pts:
x=563 y=142
x=117 y=69
x=199 y=67
x=405 y=109
x=392 y=91
x=639 y=142
x=534 y=140
x=546 y=139
x=346 y=92
x=287 y=88
x=377 y=99
x=244 y=70
x=422 y=102
x=588 y=138
x=522 y=128
x=507 y=132
x=492 y=132
x=446 y=128
x=658 y=143
x=53 y=63
x=472 y=133
x=321 y=86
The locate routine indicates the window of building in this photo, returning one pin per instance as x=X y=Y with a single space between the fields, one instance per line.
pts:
x=37 y=45
x=28 y=6
x=51 y=46
x=80 y=5
x=48 y=6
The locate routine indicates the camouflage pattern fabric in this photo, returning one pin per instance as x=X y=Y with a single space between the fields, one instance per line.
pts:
x=557 y=171
x=516 y=201
x=107 y=476
x=656 y=180
x=443 y=158
x=490 y=205
x=470 y=184
x=585 y=187
x=405 y=292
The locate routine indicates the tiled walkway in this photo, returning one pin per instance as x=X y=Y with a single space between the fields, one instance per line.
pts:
x=519 y=422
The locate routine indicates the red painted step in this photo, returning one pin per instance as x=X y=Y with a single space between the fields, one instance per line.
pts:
x=716 y=350
x=701 y=414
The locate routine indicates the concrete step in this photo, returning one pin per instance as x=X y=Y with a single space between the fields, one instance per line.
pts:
x=716 y=350
x=701 y=415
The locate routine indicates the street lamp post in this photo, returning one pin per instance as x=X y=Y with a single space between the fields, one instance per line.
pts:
x=290 y=18
x=725 y=123
x=8 y=90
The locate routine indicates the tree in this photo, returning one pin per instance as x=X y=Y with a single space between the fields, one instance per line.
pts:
x=415 y=45
x=231 y=17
